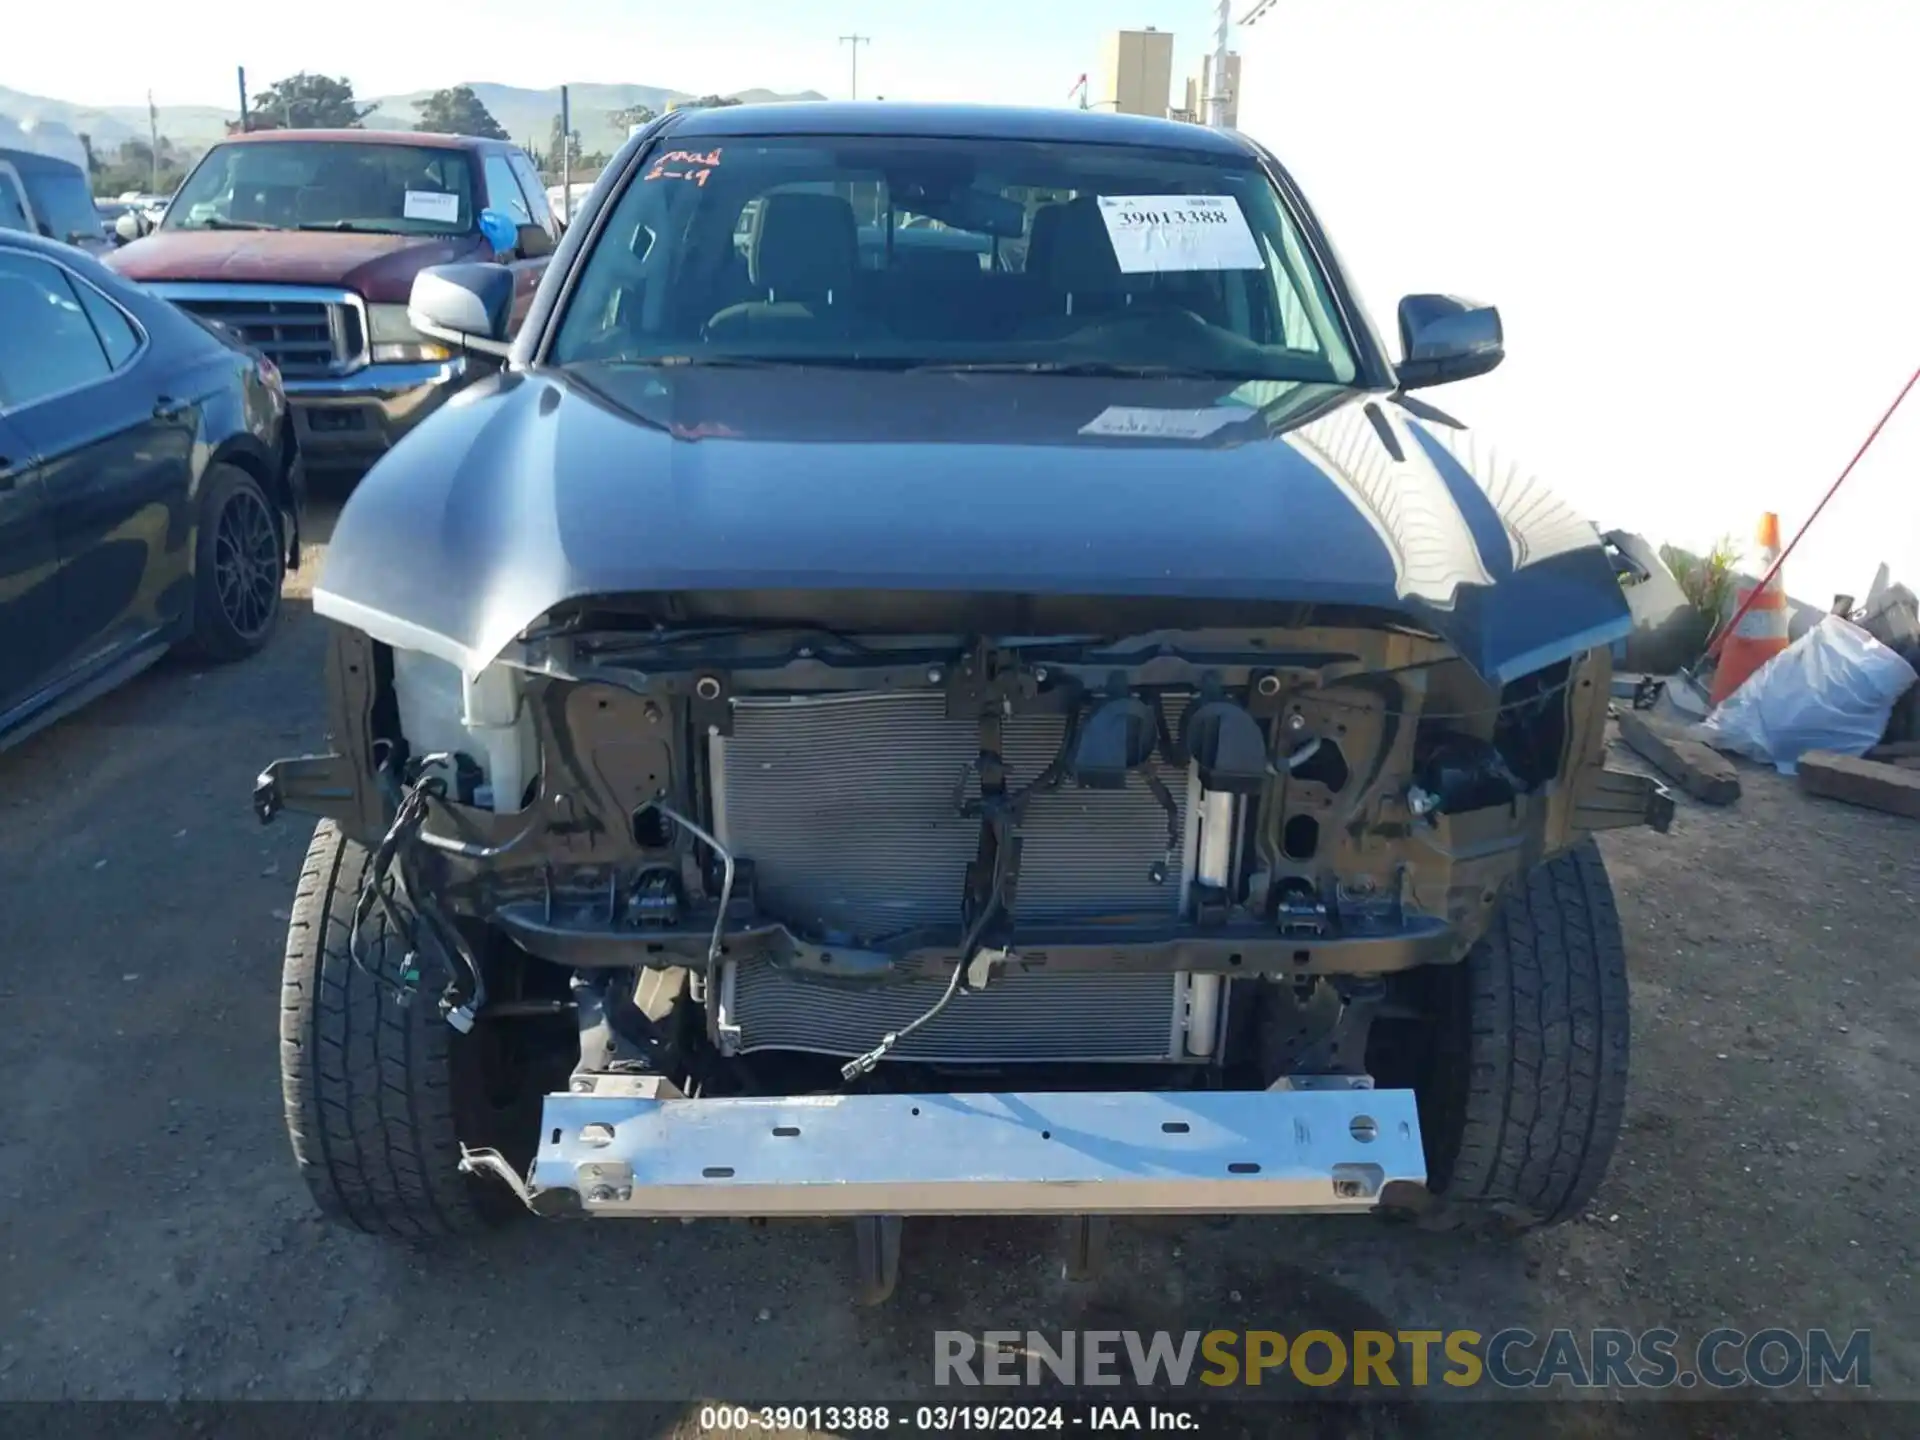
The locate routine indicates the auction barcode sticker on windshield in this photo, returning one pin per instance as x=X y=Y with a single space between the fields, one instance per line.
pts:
x=431 y=205
x=1142 y=423
x=1179 y=232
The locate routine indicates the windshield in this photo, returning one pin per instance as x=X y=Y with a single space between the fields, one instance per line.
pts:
x=63 y=204
x=327 y=185
x=13 y=208
x=965 y=253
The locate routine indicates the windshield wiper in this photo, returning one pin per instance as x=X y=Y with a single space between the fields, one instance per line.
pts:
x=769 y=362
x=216 y=222
x=904 y=365
x=1099 y=368
x=349 y=225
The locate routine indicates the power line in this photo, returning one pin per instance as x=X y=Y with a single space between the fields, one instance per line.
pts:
x=855 y=41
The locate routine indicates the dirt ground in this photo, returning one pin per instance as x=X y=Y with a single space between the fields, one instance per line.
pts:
x=156 y=1243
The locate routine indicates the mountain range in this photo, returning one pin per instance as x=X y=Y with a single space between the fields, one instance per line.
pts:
x=526 y=114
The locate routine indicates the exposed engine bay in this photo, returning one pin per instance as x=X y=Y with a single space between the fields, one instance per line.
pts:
x=799 y=772
x=737 y=837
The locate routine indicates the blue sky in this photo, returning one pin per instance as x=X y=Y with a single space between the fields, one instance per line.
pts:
x=1013 y=51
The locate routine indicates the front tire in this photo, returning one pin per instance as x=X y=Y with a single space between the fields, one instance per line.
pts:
x=379 y=1096
x=1524 y=1097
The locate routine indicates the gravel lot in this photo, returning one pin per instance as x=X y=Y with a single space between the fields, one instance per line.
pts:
x=156 y=1242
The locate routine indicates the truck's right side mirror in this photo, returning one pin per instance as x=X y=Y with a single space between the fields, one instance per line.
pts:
x=470 y=306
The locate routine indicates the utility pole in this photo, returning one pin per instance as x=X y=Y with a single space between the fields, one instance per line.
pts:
x=856 y=41
x=566 y=159
x=153 y=140
x=1217 y=90
x=244 y=125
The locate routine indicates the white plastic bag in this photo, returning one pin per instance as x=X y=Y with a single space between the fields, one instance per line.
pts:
x=1832 y=689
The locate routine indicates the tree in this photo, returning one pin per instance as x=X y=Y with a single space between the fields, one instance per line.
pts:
x=705 y=102
x=307 y=102
x=457 y=112
x=623 y=121
x=131 y=167
x=557 y=156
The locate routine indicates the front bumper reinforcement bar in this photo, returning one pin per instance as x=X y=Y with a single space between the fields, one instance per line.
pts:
x=625 y=1150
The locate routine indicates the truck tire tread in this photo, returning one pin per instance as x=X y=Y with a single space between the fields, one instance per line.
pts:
x=367 y=1082
x=1531 y=1082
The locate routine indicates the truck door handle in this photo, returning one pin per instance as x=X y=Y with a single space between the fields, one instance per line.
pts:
x=169 y=409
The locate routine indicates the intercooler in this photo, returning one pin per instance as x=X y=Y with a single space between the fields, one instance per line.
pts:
x=845 y=805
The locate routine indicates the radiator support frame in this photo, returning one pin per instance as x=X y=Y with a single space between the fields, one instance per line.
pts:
x=762 y=1007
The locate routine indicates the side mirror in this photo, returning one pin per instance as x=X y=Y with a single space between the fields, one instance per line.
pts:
x=535 y=243
x=132 y=226
x=1445 y=338
x=469 y=306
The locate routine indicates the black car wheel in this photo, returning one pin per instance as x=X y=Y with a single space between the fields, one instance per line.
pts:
x=1527 y=1086
x=381 y=1094
x=241 y=563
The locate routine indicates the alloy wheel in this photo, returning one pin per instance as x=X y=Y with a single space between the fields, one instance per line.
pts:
x=246 y=563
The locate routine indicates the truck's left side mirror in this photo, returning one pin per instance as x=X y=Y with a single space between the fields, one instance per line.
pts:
x=470 y=306
x=132 y=226
x=1444 y=338
x=535 y=243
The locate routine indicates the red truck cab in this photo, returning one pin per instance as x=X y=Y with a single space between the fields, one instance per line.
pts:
x=306 y=242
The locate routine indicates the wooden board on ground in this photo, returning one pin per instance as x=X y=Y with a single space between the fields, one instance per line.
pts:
x=1698 y=769
x=1861 y=782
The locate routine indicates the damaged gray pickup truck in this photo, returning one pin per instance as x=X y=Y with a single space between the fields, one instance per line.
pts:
x=947 y=673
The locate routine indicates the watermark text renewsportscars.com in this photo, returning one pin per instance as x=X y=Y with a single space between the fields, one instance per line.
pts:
x=1770 y=1358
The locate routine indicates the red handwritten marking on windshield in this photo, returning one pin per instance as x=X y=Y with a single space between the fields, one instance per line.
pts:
x=694 y=166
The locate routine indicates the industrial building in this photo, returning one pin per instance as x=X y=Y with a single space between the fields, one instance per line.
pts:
x=1136 y=73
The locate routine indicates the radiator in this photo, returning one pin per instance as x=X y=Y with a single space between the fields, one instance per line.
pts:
x=845 y=806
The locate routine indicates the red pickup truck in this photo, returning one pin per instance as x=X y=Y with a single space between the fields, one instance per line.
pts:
x=306 y=242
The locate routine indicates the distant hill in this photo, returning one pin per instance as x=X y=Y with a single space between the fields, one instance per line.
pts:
x=189 y=125
x=526 y=114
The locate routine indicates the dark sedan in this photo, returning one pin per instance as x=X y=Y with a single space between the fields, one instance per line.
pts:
x=150 y=486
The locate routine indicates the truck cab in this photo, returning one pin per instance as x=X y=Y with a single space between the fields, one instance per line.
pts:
x=45 y=195
x=305 y=243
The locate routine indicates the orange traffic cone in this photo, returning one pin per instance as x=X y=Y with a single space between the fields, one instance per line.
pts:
x=1762 y=631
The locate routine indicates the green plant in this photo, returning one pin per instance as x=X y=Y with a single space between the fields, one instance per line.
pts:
x=1707 y=581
